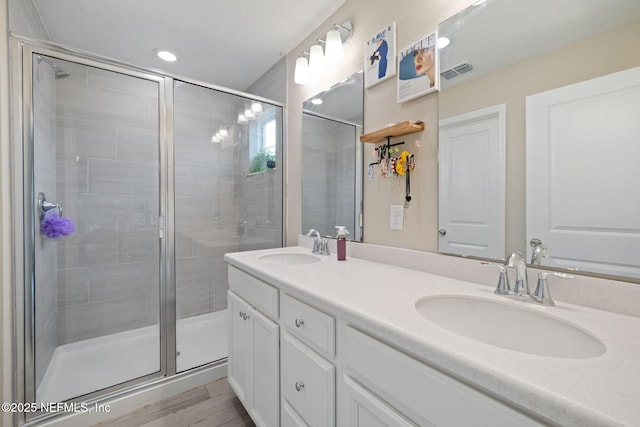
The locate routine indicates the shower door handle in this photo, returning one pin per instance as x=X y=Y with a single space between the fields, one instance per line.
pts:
x=44 y=206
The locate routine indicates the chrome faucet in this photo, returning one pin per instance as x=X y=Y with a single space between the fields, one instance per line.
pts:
x=542 y=295
x=317 y=242
x=320 y=245
x=539 y=251
x=521 y=287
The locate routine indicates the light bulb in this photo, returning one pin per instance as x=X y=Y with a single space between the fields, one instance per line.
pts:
x=317 y=64
x=333 y=51
x=302 y=75
x=256 y=107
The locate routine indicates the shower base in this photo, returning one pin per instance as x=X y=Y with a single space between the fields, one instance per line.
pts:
x=86 y=366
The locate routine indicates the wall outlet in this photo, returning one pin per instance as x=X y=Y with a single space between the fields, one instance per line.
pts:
x=396 y=217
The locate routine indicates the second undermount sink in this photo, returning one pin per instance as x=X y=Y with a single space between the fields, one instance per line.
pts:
x=510 y=326
x=289 y=258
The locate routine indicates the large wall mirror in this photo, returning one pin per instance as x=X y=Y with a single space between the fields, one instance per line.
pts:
x=332 y=159
x=563 y=80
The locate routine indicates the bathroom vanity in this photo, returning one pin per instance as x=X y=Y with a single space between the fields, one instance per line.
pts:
x=317 y=342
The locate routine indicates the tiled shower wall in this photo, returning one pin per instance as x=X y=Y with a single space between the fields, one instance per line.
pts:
x=44 y=116
x=205 y=202
x=328 y=169
x=107 y=162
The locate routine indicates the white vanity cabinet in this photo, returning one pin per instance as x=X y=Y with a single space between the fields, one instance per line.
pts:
x=383 y=386
x=254 y=347
x=295 y=362
x=307 y=361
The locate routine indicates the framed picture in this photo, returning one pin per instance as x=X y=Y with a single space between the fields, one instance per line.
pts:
x=418 y=69
x=380 y=56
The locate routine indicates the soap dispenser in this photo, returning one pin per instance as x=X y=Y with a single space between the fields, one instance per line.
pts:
x=342 y=242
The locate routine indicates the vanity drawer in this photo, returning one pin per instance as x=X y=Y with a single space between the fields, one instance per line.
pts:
x=257 y=293
x=310 y=325
x=423 y=394
x=308 y=383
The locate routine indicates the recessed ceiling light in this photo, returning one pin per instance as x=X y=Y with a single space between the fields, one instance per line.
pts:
x=166 y=55
x=443 y=42
x=316 y=101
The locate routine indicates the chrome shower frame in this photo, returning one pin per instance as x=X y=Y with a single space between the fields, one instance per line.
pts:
x=24 y=200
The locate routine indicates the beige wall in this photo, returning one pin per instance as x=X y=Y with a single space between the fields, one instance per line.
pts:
x=603 y=54
x=414 y=20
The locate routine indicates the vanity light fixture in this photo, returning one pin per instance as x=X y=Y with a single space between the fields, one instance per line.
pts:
x=318 y=62
x=166 y=55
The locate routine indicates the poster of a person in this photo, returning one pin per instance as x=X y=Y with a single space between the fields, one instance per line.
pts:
x=379 y=56
x=417 y=69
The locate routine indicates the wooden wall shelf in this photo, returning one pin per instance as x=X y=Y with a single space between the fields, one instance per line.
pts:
x=399 y=129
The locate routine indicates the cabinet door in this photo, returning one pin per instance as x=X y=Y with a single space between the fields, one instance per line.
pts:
x=240 y=348
x=362 y=409
x=266 y=371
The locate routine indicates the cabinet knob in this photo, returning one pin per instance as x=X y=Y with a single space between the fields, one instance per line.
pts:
x=299 y=322
x=442 y=232
x=299 y=385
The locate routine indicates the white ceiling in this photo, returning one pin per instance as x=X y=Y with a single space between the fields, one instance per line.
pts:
x=228 y=43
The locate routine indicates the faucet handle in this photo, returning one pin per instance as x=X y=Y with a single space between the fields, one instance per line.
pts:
x=542 y=293
x=503 y=287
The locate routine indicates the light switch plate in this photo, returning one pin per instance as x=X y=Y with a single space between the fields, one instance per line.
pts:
x=396 y=217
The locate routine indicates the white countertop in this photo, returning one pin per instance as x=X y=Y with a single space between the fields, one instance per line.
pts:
x=380 y=298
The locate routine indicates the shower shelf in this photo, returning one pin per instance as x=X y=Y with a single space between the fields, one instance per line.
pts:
x=399 y=129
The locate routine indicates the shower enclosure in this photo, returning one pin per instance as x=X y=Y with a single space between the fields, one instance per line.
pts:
x=159 y=178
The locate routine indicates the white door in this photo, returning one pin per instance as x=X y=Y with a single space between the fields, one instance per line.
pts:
x=472 y=157
x=583 y=174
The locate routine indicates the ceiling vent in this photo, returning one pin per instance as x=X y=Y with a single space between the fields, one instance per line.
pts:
x=457 y=70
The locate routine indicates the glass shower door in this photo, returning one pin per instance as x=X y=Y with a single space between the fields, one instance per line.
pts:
x=96 y=246
x=228 y=197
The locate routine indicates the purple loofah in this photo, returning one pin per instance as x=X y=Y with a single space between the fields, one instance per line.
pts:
x=53 y=226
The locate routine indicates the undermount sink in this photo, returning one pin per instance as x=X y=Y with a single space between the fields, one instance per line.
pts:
x=509 y=326
x=289 y=258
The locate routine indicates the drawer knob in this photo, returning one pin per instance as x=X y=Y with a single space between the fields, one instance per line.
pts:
x=299 y=322
x=299 y=385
